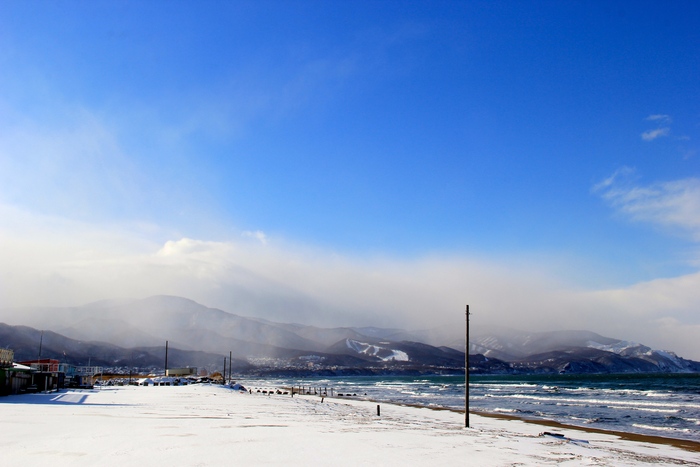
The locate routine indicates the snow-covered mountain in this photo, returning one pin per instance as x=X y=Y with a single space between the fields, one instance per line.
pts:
x=575 y=351
x=384 y=353
x=190 y=326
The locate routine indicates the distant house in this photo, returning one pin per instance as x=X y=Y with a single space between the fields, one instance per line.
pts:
x=78 y=376
x=45 y=375
x=6 y=358
x=45 y=365
x=85 y=375
x=189 y=371
x=14 y=377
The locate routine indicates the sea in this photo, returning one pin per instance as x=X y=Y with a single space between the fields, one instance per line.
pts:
x=651 y=404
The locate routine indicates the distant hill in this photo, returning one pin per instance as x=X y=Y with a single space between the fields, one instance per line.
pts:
x=114 y=333
x=575 y=352
x=26 y=342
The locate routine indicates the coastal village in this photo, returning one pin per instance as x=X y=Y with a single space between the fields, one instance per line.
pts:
x=47 y=375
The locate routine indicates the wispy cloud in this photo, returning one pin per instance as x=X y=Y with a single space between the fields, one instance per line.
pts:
x=689 y=153
x=662 y=121
x=673 y=204
x=651 y=135
x=659 y=118
x=623 y=172
x=259 y=235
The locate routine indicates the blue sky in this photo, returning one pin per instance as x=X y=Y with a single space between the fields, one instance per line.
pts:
x=554 y=142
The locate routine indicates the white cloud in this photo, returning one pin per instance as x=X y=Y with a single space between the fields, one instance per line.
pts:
x=622 y=172
x=651 y=135
x=659 y=118
x=667 y=307
x=662 y=120
x=674 y=204
x=258 y=235
x=662 y=312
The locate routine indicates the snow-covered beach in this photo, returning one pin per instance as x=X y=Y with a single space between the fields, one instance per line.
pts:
x=207 y=425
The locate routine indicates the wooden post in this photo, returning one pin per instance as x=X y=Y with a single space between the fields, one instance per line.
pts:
x=466 y=375
x=229 y=364
x=224 y=382
x=378 y=410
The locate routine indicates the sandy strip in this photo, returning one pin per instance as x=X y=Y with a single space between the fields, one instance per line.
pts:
x=679 y=443
x=208 y=425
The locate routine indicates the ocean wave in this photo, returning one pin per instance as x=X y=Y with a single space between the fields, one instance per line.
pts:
x=504 y=385
x=504 y=410
x=646 y=409
x=661 y=428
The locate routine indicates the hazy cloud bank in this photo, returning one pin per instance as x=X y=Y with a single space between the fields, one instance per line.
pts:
x=78 y=263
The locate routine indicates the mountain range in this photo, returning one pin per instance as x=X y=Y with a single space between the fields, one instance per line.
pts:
x=132 y=333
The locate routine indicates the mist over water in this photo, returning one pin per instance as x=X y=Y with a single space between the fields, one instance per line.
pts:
x=661 y=405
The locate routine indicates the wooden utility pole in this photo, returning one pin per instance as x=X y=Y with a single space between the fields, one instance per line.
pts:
x=41 y=341
x=466 y=375
x=166 y=359
x=230 y=358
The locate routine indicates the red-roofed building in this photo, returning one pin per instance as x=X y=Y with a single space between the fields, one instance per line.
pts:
x=44 y=365
x=45 y=374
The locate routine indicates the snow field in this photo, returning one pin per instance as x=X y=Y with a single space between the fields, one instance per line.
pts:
x=202 y=425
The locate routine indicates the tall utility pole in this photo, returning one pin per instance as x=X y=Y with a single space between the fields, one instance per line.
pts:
x=41 y=341
x=38 y=363
x=466 y=376
x=230 y=355
x=166 y=359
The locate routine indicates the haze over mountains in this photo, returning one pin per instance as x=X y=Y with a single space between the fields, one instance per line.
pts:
x=133 y=333
x=184 y=323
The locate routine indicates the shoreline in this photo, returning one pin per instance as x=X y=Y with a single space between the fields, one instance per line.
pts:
x=688 y=445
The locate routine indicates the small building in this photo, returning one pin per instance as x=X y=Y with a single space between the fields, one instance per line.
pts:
x=7 y=356
x=179 y=372
x=45 y=374
x=14 y=378
x=85 y=375
x=43 y=365
x=78 y=376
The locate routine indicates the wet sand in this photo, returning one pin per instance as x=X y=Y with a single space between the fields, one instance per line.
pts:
x=679 y=443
